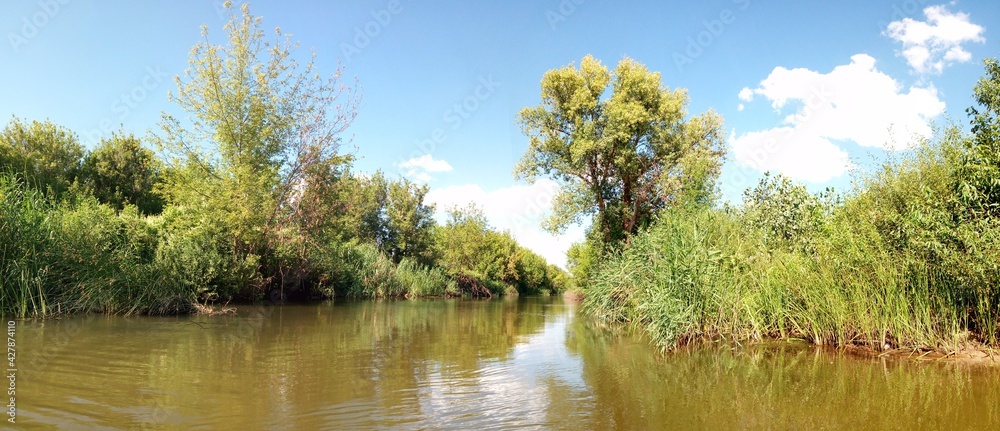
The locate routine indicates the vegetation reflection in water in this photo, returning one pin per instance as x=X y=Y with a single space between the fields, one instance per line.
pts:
x=462 y=364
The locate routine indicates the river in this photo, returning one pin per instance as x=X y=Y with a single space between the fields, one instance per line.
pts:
x=514 y=363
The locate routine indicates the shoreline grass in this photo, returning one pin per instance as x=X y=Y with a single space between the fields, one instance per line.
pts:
x=894 y=266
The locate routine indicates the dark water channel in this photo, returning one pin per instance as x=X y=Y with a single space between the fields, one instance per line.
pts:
x=528 y=363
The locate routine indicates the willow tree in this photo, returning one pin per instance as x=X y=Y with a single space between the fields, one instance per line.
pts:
x=259 y=124
x=622 y=157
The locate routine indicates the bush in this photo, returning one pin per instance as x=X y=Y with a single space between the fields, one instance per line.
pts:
x=193 y=255
x=785 y=212
x=362 y=271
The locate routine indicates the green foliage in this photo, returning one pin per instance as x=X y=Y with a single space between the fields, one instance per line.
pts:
x=24 y=233
x=532 y=273
x=48 y=157
x=409 y=222
x=622 y=158
x=909 y=259
x=469 y=249
x=363 y=271
x=980 y=184
x=896 y=263
x=121 y=172
x=785 y=212
x=194 y=252
x=261 y=141
x=78 y=255
x=581 y=259
x=460 y=241
x=470 y=252
x=419 y=280
x=252 y=198
x=392 y=214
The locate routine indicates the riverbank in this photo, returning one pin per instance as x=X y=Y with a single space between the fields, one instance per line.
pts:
x=75 y=254
x=900 y=264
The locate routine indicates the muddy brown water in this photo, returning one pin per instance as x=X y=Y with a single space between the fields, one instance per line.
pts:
x=527 y=363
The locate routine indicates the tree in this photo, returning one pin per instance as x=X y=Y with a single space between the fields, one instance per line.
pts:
x=979 y=186
x=48 y=156
x=461 y=240
x=498 y=258
x=121 y=172
x=580 y=261
x=621 y=158
x=261 y=127
x=533 y=273
x=409 y=222
x=372 y=209
x=784 y=211
x=343 y=206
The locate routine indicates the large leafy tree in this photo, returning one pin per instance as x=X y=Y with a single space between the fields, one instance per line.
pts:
x=121 y=172
x=46 y=155
x=621 y=156
x=260 y=128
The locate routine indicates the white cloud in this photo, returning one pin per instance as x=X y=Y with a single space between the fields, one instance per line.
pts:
x=746 y=94
x=854 y=102
x=929 y=46
x=519 y=209
x=793 y=152
x=419 y=168
x=427 y=163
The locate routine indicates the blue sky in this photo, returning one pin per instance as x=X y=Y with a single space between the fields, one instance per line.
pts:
x=810 y=89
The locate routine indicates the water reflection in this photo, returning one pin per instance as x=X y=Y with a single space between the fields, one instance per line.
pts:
x=777 y=386
x=455 y=364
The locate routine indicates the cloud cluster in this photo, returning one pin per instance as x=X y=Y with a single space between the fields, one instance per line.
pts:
x=929 y=46
x=518 y=209
x=419 y=169
x=854 y=102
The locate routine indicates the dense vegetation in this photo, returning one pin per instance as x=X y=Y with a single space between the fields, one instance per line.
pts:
x=249 y=197
x=908 y=259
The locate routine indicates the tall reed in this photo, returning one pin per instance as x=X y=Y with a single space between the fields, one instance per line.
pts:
x=897 y=264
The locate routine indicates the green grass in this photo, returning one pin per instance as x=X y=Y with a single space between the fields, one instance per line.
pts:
x=699 y=275
x=895 y=264
x=77 y=256
x=362 y=271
